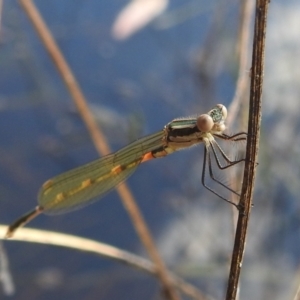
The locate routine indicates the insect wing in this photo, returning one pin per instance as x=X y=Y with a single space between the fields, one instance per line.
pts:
x=86 y=184
x=223 y=163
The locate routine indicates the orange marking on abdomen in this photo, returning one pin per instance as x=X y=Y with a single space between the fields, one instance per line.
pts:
x=86 y=183
x=147 y=157
x=60 y=197
x=116 y=170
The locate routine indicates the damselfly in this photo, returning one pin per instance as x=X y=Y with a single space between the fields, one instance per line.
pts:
x=85 y=184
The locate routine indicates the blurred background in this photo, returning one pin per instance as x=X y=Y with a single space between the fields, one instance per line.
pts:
x=140 y=68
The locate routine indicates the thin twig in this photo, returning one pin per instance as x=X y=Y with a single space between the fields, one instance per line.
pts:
x=99 y=141
x=257 y=73
x=237 y=104
x=104 y=250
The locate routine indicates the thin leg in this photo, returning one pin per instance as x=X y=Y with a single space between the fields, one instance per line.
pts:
x=215 y=179
x=205 y=159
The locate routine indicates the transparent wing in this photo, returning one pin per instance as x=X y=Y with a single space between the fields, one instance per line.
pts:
x=222 y=163
x=86 y=184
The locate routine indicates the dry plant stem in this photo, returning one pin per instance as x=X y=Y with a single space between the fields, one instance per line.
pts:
x=242 y=49
x=257 y=73
x=98 y=248
x=243 y=53
x=99 y=141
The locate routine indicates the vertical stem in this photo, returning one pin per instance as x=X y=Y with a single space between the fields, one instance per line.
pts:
x=254 y=122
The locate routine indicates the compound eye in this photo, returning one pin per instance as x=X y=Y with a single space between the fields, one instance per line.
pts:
x=205 y=123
